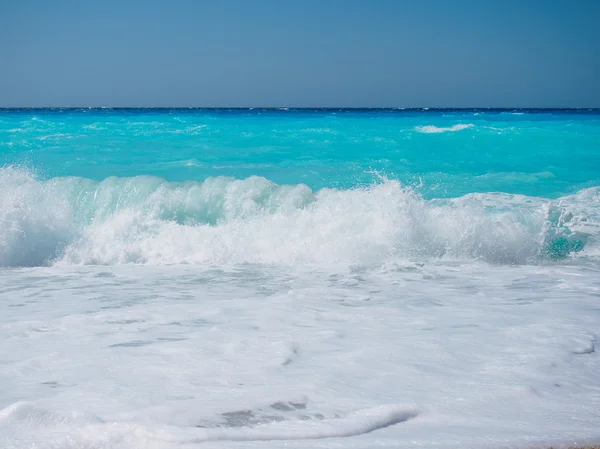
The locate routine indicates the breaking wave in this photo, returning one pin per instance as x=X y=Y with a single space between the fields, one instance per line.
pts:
x=430 y=129
x=147 y=220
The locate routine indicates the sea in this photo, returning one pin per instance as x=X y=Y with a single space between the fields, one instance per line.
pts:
x=299 y=278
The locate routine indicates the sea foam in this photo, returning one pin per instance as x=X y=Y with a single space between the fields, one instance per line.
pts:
x=224 y=220
x=430 y=129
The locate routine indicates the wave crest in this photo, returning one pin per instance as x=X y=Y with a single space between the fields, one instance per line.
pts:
x=222 y=220
x=430 y=129
x=35 y=224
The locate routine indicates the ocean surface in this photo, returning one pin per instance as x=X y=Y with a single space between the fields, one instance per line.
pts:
x=299 y=278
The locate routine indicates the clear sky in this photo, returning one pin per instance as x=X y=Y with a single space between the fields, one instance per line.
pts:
x=346 y=53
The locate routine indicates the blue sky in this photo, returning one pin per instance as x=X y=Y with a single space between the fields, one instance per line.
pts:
x=346 y=53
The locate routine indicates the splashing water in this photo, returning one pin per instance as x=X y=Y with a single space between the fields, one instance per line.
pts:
x=390 y=279
x=223 y=220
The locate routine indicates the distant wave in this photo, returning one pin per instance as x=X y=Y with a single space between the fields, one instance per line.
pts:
x=147 y=220
x=430 y=129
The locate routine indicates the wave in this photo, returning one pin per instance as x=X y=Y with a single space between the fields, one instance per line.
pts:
x=238 y=425
x=430 y=129
x=148 y=220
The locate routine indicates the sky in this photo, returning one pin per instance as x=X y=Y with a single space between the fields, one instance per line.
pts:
x=290 y=53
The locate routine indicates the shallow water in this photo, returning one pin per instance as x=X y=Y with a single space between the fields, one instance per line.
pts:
x=340 y=279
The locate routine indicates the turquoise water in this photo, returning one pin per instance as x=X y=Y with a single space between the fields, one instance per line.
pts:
x=532 y=153
x=297 y=171
x=170 y=279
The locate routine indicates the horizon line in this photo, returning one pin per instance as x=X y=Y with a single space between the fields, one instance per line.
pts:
x=307 y=108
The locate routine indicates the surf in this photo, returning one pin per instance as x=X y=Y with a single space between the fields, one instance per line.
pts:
x=222 y=220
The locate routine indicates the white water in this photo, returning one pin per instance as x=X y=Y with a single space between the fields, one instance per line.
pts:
x=146 y=220
x=431 y=129
x=454 y=355
x=365 y=318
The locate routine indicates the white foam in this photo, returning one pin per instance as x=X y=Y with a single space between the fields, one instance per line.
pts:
x=35 y=224
x=222 y=220
x=24 y=414
x=140 y=356
x=81 y=430
x=356 y=423
x=431 y=129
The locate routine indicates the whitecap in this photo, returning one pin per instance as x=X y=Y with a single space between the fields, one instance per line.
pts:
x=431 y=129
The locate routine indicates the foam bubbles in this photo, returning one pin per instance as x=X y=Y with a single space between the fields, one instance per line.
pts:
x=223 y=220
x=430 y=129
x=35 y=224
